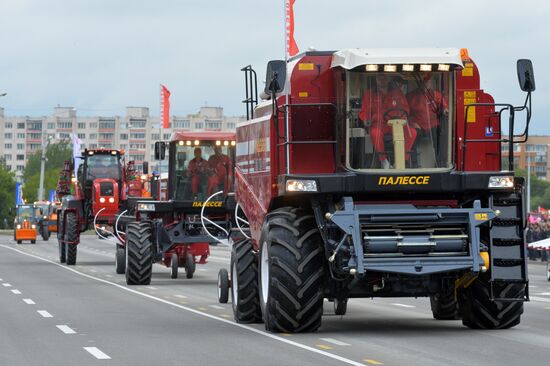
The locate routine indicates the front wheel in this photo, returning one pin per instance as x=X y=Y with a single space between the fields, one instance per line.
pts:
x=71 y=237
x=139 y=254
x=189 y=265
x=444 y=306
x=45 y=233
x=174 y=264
x=120 y=259
x=223 y=286
x=291 y=271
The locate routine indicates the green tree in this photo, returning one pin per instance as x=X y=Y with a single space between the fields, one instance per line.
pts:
x=56 y=154
x=540 y=190
x=7 y=195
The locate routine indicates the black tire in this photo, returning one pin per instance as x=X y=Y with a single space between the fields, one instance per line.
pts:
x=291 y=272
x=62 y=252
x=19 y=241
x=479 y=312
x=245 y=294
x=72 y=236
x=139 y=254
x=120 y=260
x=548 y=271
x=340 y=306
x=189 y=266
x=33 y=241
x=444 y=306
x=174 y=264
x=223 y=286
x=45 y=233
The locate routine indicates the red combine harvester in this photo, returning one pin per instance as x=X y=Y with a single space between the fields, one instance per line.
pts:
x=99 y=193
x=379 y=176
x=171 y=231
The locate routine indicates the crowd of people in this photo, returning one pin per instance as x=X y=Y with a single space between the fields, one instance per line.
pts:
x=538 y=231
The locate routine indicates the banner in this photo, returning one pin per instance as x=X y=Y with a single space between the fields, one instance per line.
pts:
x=165 y=106
x=51 y=197
x=76 y=152
x=18 y=194
x=291 y=46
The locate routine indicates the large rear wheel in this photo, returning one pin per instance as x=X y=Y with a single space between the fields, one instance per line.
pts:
x=479 y=312
x=71 y=237
x=244 y=283
x=291 y=271
x=139 y=254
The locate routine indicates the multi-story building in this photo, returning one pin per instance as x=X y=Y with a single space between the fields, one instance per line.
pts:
x=535 y=153
x=135 y=133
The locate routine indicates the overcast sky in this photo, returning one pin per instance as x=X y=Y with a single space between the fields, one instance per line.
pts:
x=100 y=56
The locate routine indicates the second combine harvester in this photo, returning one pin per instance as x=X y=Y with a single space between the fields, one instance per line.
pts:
x=381 y=175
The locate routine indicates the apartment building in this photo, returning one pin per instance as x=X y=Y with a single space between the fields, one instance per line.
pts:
x=535 y=153
x=135 y=132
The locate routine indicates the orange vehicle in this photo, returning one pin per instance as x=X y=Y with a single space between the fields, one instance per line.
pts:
x=24 y=224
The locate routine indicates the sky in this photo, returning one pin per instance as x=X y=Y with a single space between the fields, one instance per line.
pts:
x=100 y=56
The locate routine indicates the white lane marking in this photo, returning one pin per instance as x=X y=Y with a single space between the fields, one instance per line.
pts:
x=109 y=276
x=216 y=307
x=335 y=341
x=541 y=299
x=152 y=288
x=6 y=285
x=181 y=296
x=97 y=353
x=203 y=269
x=196 y=312
x=93 y=270
x=543 y=293
x=29 y=302
x=65 y=329
x=17 y=292
x=44 y=313
x=403 y=305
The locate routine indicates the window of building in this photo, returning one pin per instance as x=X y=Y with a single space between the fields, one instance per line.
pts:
x=21 y=135
x=137 y=135
x=20 y=157
x=137 y=146
x=8 y=136
x=93 y=146
x=7 y=146
x=213 y=124
x=123 y=146
x=35 y=125
x=166 y=136
x=107 y=124
x=137 y=157
x=21 y=125
x=181 y=123
x=20 y=146
x=93 y=124
x=106 y=136
x=124 y=136
x=34 y=136
x=33 y=147
x=8 y=167
x=81 y=125
x=155 y=136
x=199 y=125
x=231 y=125
x=63 y=135
x=51 y=125
x=81 y=135
x=20 y=168
x=7 y=157
x=93 y=136
x=138 y=123
x=8 y=125
x=65 y=125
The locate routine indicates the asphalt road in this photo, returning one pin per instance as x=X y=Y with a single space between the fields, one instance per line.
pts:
x=84 y=315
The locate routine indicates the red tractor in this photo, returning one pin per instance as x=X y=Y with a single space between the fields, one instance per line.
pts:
x=171 y=231
x=379 y=173
x=99 y=193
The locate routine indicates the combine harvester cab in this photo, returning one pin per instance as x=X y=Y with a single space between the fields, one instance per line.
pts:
x=171 y=231
x=92 y=199
x=379 y=175
x=24 y=224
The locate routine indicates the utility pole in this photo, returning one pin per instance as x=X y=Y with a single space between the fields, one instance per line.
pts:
x=528 y=184
x=42 y=164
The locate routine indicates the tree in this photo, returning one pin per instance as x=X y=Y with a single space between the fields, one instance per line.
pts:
x=56 y=154
x=7 y=195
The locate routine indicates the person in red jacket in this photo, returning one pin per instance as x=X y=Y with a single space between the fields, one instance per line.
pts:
x=427 y=110
x=221 y=171
x=197 y=169
x=379 y=106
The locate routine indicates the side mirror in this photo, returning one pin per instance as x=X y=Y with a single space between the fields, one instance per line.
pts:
x=275 y=76
x=526 y=77
x=145 y=167
x=160 y=150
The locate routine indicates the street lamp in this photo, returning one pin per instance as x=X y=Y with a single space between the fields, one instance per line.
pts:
x=43 y=165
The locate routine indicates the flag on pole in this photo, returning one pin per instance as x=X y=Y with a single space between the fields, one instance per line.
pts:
x=18 y=194
x=291 y=46
x=51 y=196
x=165 y=106
x=76 y=152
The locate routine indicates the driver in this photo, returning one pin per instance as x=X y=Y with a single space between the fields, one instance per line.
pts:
x=380 y=105
x=197 y=168
x=220 y=165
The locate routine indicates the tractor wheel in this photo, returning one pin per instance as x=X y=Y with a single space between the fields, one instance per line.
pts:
x=189 y=265
x=71 y=235
x=19 y=241
x=444 y=306
x=340 y=306
x=548 y=271
x=291 y=272
x=62 y=252
x=139 y=254
x=479 y=312
x=120 y=259
x=33 y=241
x=245 y=294
x=174 y=264
x=223 y=286
x=45 y=233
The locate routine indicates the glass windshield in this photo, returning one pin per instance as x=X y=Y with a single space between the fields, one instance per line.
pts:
x=44 y=206
x=103 y=166
x=398 y=120
x=25 y=212
x=203 y=170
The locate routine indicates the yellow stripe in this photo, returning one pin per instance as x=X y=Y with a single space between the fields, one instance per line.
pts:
x=303 y=94
x=373 y=362
x=322 y=346
x=305 y=66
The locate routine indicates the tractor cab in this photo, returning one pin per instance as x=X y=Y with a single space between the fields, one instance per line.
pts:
x=201 y=164
x=25 y=223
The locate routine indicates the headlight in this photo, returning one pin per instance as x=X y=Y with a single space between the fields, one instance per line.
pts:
x=111 y=200
x=301 y=185
x=18 y=226
x=33 y=226
x=146 y=207
x=101 y=199
x=501 y=182
x=45 y=217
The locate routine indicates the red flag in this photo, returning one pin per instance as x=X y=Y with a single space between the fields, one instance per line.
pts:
x=165 y=106
x=292 y=47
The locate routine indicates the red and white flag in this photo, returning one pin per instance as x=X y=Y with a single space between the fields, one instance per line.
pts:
x=165 y=106
x=291 y=46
